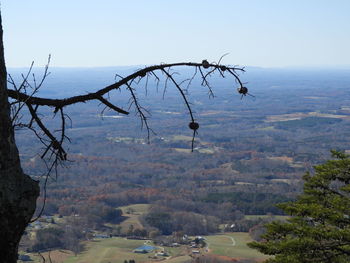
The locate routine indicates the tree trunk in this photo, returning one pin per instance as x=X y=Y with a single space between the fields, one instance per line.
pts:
x=18 y=192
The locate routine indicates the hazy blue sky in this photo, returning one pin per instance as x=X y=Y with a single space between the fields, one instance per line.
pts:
x=268 y=33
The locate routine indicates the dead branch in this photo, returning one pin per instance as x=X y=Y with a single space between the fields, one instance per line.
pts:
x=54 y=153
x=24 y=95
x=60 y=103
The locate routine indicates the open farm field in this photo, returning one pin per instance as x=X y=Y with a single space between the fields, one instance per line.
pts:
x=300 y=115
x=118 y=249
x=58 y=256
x=233 y=245
x=274 y=217
x=114 y=250
x=135 y=209
x=132 y=214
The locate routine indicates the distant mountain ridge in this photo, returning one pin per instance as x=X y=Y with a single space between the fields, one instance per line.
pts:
x=64 y=82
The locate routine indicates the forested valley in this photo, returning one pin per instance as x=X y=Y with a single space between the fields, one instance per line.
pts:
x=249 y=154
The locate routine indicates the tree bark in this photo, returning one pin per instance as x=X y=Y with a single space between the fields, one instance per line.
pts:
x=18 y=192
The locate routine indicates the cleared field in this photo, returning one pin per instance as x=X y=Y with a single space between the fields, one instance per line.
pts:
x=131 y=220
x=218 y=112
x=301 y=115
x=179 y=259
x=133 y=212
x=203 y=150
x=58 y=256
x=114 y=250
x=125 y=139
x=181 y=138
x=182 y=150
x=282 y=159
x=185 y=138
x=118 y=249
x=233 y=245
x=135 y=209
x=286 y=181
x=252 y=217
x=207 y=151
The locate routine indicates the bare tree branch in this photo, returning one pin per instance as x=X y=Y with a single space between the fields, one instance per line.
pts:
x=113 y=107
x=54 y=150
x=59 y=103
x=54 y=153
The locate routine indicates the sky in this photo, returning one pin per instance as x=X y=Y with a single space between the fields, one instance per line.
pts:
x=99 y=33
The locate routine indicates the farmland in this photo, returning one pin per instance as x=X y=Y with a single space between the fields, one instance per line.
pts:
x=233 y=245
x=118 y=249
x=132 y=214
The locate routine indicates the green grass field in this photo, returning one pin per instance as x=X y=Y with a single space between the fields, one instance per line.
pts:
x=137 y=208
x=253 y=217
x=233 y=245
x=114 y=250
x=57 y=256
x=133 y=212
x=118 y=249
